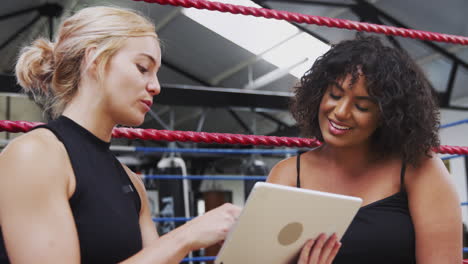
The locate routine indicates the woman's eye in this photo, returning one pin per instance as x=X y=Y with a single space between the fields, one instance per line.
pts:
x=335 y=97
x=141 y=68
x=363 y=109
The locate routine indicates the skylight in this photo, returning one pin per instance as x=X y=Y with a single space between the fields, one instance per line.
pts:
x=259 y=35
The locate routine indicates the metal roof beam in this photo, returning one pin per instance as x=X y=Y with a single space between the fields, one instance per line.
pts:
x=397 y=23
x=168 y=18
x=299 y=26
x=19 y=12
x=191 y=95
x=186 y=74
x=21 y=30
x=272 y=76
x=240 y=121
x=450 y=85
x=281 y=124
x=434 y=56
x=229 y=72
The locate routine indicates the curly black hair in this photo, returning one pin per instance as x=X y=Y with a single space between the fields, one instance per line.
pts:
x=408 y=105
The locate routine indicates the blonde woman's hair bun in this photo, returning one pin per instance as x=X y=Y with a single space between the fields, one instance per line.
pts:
x=35 y=66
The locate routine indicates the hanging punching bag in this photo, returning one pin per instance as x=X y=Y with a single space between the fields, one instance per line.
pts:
x=173 y=194
x=254 y=167
x=152 y=193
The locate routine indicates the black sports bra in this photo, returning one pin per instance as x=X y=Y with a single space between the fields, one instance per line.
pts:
x=381 y=232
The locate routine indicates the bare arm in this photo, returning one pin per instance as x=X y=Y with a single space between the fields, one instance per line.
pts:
x=35 y=216
x=38 y=225
x=200 y=232
x=436 y=213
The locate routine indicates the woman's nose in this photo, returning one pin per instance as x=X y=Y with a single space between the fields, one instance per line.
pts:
x=153 y=87
x=342 y=110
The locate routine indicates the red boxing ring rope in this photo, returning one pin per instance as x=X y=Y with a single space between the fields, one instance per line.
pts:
x=314 y=20
x=221 y=138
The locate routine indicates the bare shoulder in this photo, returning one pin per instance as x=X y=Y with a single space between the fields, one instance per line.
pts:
x=284 y=172
x=33 y=153
x=431 y=181
x=32 y=171
x=431 y=170
x=38 y=144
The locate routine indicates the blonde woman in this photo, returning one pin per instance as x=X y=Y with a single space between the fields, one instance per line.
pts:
x=64 y=198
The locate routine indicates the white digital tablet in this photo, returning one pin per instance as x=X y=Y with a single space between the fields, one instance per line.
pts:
x=278 y=220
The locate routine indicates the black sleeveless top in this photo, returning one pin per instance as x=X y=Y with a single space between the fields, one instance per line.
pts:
x=105 y=203
x=381 y=232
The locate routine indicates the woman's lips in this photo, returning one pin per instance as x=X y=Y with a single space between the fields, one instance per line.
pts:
x=336 y=129
x=147 y=104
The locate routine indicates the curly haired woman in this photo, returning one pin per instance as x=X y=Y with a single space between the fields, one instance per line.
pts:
x=378 y=119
